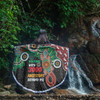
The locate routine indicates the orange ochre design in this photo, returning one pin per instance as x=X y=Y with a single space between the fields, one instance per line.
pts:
x=35 y=75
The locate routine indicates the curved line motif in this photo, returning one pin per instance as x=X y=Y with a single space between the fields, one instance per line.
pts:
x=53 y=77
x=37 y=91
x=32 y=49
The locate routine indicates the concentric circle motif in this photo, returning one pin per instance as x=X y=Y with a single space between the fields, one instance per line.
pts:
x=24 y=56
x=57 y=63
x=38 y=64
x=33 y=47
x=46 y=64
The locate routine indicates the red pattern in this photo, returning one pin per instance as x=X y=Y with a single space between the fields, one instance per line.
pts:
x=35 y=69
x=53 y=82
x=62 y=53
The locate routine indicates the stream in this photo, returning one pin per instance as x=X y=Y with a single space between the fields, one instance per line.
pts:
x=77 y=78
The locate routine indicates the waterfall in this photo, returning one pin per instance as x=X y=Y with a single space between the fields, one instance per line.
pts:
x=96 y=32
x=77 y=79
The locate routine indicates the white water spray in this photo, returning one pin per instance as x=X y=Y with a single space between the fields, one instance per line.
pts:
x=95 y=32
x=75 y=77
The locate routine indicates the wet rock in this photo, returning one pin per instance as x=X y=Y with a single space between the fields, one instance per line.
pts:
x=5 y=93
x=98 y=24
x=96 y=29
x=51 y=97
x=7 y=87
x=2 y=89
x=92 y=67
x=94 y=46
x=13 y=92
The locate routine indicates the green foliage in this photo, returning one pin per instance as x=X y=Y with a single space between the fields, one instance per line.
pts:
x=4 y=63
x=88 y=6
x=69 y=11
x=21 y=20
x=30 y=26
x=8 y=28
x=64 y=12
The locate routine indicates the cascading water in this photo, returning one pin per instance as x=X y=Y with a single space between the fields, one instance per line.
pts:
x=77 y=79
x=95 y=30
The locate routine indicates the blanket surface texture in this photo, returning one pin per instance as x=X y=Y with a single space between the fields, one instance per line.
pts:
x=40 y=67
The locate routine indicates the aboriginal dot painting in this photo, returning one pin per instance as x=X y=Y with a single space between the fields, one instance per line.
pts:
x=40 y=68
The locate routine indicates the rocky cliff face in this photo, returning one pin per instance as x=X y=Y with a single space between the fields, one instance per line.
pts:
x=85 y=41
x=92 y=60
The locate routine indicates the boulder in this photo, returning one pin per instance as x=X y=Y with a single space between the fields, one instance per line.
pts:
x=5 y=93
x=7 y=87
x=92 y=67
x=94 y=46
x=98 y=25
x=2 y=89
